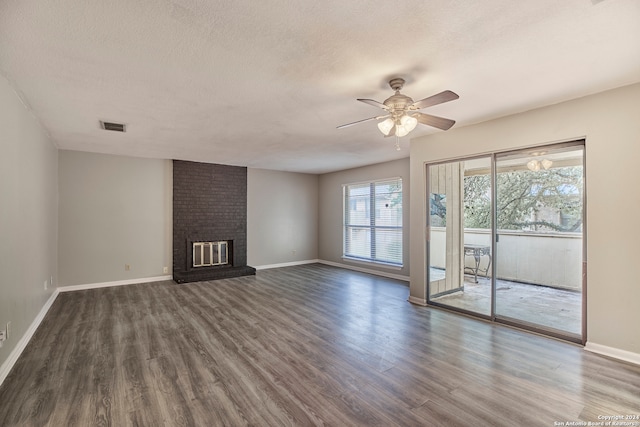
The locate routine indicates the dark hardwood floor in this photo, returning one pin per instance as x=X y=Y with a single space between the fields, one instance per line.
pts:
x=305 y=345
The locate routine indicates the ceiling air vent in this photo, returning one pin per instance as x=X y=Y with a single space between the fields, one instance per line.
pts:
x=117 y=127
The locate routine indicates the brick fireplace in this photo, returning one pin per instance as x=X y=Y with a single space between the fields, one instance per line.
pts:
x=209 y=221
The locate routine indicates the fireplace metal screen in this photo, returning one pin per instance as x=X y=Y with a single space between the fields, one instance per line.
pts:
x=206 y=254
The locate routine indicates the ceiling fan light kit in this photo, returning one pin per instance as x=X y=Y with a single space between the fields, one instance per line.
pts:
x=407 y=124
x=385 y=126
x=533 y=165
x=403 y=115
x=536 y=165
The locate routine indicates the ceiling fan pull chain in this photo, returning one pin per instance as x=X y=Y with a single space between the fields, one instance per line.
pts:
x=397 y=143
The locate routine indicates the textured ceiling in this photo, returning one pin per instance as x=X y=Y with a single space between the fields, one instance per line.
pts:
x=264 y=84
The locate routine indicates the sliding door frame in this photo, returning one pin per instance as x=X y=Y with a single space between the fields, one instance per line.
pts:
x=536 y=328
x=430 y=302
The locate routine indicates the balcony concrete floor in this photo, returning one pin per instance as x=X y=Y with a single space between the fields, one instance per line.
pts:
x=541 y=305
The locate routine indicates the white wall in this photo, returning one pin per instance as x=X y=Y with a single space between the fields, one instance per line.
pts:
x=114 y=210
x=117 y=210
x=28 y=216
x=610 y=122
x=282 y=217
x=331 y=214
x=549 y=259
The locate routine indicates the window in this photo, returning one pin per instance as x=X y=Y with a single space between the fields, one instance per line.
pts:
x=373 y=221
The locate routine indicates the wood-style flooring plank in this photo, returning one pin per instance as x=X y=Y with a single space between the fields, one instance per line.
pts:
x=304 y=345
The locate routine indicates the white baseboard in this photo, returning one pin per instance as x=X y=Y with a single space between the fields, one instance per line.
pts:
x=20 y=346
x=286 y=264
x=366 y=270
x=417 y=301
x=115 y=283
x=613 y=352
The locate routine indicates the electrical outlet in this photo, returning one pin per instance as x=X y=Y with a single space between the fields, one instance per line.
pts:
x=8 y=329
x=46 y=284
x=165 y=270
x=127 y=267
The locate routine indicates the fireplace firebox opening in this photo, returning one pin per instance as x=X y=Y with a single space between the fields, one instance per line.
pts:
x=208 y=254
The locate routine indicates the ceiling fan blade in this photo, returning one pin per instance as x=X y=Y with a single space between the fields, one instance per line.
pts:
x=374 y=103
x=435 y=121
x=362 y=121
x=436 y=99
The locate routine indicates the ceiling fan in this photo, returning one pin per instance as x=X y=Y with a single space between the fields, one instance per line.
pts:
x=402 y=112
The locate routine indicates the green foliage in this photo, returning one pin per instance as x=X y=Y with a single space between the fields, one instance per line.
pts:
x=548 y=200
x=395 y=191
x=477 y=201
x=438 y=206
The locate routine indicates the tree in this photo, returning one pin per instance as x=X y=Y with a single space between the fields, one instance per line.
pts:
x=477 y=201
x=541 y=200
x=438 y=203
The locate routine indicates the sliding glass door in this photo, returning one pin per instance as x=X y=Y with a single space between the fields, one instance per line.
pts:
x=505 y=237
x=460 y=235
x=539 y=244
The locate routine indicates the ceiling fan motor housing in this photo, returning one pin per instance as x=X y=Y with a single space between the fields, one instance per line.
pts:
x=398 y=104
x=396 y=84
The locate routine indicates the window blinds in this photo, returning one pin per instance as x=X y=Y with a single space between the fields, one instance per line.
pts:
x=373 y=221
